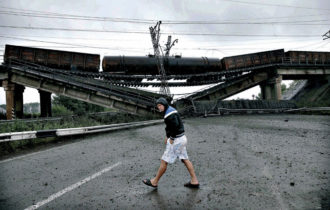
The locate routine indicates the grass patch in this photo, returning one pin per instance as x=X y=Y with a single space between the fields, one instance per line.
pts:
x=64 y=122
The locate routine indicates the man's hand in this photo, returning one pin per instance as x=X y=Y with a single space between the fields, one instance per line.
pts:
x=171 y=141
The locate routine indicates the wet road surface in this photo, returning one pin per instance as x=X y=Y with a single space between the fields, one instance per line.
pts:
x=242 y=162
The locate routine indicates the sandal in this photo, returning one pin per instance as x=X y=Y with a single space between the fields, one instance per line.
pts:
x=188 y=184
x=148 y=182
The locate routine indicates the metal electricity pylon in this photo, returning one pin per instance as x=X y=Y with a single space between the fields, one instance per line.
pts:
x=155 y=35
x=169 y=45
x=326 y=35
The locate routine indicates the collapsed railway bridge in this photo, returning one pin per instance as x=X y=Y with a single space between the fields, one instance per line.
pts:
x=78 y=75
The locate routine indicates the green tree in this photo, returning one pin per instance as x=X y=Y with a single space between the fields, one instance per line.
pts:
x=258 y=97
x=76 y=106
x=58 y=110
x=283 y=88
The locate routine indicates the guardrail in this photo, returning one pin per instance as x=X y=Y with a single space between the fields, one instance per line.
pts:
x=222 y=111
x=310 y=109
x=15 y=136
x=40 y=119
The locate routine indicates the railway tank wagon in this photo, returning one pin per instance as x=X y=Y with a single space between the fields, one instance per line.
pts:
x=147 y=65
x=130 y=65
x=53 y=58
x=191 y=65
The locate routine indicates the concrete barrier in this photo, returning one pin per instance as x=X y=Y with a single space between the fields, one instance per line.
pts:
x=15 y=136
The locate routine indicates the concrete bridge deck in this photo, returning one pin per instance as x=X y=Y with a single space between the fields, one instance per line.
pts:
x=242 y=162
x=103 y=93
x=15 y=78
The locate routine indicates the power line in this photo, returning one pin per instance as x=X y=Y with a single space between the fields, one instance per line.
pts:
x=45 y=46
x=309 y=22
x=144 y=32
x=128 y=40
x=68 y=16
x=306 y=22
x=72 y=37
x=276 y=5
x=242 y=35
x=35 y=13
x=261 y=18
x=70 y=29
x=69 y=44
x=12 y=8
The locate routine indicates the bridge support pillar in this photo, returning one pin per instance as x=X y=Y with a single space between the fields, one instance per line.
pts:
x=271 y=89
x=45 y=104
x=14 y=100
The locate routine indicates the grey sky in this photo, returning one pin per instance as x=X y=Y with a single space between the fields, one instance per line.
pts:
x=243 y=26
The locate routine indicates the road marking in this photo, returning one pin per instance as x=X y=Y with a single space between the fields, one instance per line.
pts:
x=72 y=187
x=266 y=172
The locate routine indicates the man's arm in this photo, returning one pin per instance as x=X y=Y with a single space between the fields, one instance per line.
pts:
x=172 y=123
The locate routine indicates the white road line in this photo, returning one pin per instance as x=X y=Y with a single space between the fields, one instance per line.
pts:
x=70 y=188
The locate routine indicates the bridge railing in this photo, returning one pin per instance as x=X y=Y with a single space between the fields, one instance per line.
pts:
x=289 y=60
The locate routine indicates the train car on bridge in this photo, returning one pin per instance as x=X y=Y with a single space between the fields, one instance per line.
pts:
x=147 y=65
x=307 y=57
x=252 y=59
x=177 y=65
x=53 y=58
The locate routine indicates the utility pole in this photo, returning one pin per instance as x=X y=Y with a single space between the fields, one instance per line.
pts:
x=326 y=35
x=169 y=45
x=155 y=35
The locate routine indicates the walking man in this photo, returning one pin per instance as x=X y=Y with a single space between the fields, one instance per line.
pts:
x=176 y=143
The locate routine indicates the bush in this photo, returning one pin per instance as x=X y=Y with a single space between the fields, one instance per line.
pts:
x=76 y=106
x=60 y=110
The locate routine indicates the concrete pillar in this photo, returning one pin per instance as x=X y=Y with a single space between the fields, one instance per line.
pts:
x=278 y=88
x=10 y=103
x=271 y=89
x=14 y=100
x=266 y=92
x=19 y=105
x=45 y=104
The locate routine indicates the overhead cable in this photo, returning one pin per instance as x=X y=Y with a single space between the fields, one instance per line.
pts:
x=276 y=5
x=167 y=33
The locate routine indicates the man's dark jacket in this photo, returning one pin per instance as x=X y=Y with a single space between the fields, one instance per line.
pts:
x=174 y=126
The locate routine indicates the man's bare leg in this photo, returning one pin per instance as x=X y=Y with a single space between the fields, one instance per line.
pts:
x=161 y=171
x=191 y=170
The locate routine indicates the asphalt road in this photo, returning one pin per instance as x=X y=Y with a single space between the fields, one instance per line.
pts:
x=242 y=162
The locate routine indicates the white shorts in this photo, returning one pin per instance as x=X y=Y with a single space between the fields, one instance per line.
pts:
x=176 y=150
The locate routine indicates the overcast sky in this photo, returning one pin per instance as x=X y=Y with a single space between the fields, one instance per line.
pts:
x=212 y=28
